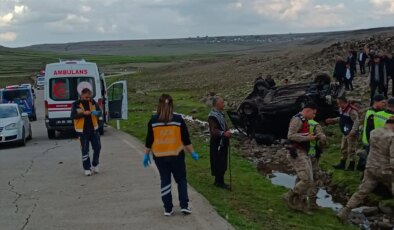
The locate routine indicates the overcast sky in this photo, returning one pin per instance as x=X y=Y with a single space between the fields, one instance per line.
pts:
x=27 y=22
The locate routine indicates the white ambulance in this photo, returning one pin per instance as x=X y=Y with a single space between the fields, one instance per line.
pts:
x=63 y=82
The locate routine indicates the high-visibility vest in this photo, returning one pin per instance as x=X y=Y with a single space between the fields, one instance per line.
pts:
x=312 y=144
x=370 y=112
x=167 y=138
x=380 y=118
x=80 y=122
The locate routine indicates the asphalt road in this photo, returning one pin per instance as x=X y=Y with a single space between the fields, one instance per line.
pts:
x=43 y=187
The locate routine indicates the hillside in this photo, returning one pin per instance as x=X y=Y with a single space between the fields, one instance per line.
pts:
x=209 y=45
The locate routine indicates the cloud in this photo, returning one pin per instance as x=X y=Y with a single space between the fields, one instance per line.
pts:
x=326 y=16
x=383 y=7
x=51 y=21
x=281 y=9
x=6 y=19
x=11 y=16
x=8 y=36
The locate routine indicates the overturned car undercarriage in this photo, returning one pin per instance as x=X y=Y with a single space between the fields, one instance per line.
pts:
x=265 y=113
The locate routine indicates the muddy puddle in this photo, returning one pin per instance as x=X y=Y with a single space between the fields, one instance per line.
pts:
x=324 y=199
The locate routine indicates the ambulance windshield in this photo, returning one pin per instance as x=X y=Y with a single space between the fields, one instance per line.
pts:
x=65 y=88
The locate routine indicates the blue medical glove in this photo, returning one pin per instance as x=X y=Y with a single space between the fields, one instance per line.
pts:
x=195 y=155
x=146 y=161
x=95 y=113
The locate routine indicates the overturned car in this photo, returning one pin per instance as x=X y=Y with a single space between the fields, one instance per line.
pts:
x=266 y=112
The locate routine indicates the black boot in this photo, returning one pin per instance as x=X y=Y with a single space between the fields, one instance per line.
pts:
x=351 y=166
x=341 y=165
x=361 y=164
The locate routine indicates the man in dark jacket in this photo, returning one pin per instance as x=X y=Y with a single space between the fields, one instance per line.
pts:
x=339 y=70
x=85 y=113
x=362 y=58
x=391 y=71
x=377 y=77
x=219 y=142
x=352 y=60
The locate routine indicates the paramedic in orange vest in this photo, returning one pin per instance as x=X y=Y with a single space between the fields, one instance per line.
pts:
x=167 y=138
x=85 y=113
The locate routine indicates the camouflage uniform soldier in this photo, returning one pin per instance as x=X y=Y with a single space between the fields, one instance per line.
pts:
x=379 y=168
x=300 y=138
x=348 y=123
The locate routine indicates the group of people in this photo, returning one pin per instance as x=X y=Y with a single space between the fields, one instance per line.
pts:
x=308 y=140
x=380 y=70
x=167 y=139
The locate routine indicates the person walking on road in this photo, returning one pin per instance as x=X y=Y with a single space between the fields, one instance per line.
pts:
x=167 y=138
x=219 y=142
x=85 y=113
x=379 y=168
x=348 y=123
x=379 y=103
x=300 y=137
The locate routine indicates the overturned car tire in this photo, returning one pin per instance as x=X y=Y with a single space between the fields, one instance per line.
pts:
x=248 y=108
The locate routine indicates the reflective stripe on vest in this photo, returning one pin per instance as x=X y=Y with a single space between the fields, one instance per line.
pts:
x=80 y=122
x=167 y=139
x=312 y=144
x=369 y=113
x=380 y=118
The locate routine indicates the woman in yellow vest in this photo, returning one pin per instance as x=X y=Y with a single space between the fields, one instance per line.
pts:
x=167 y=138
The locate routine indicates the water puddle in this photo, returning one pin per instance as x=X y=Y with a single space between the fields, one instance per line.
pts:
x=324 y=199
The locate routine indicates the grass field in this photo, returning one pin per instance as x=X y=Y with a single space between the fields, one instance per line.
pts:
x=4 y=81
x=20 y=62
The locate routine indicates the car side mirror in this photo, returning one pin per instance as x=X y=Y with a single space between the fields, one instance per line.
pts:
x=25 y=115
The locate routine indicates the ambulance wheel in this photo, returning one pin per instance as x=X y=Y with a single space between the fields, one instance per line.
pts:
x=51 y=134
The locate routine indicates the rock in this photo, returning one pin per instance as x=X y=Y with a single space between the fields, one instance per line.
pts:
x=385 y=209
x=140 y=92
x=385 y=225
x=357 y=218
x=370 y=211
x=194 y=111
x=270 y=176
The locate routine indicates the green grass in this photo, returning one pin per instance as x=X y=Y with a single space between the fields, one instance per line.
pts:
x=4 y=81
x=27 y=62
x=254 y=202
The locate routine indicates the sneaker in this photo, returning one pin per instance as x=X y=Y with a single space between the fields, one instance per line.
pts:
x=186 y=211
x=88 y=173
x=168 y=213
x=95 y=169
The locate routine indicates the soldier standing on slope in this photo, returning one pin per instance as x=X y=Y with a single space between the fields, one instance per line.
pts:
x=379 y=168
x=300 y=139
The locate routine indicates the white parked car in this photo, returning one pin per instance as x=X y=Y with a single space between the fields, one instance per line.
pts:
x=14 y=124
